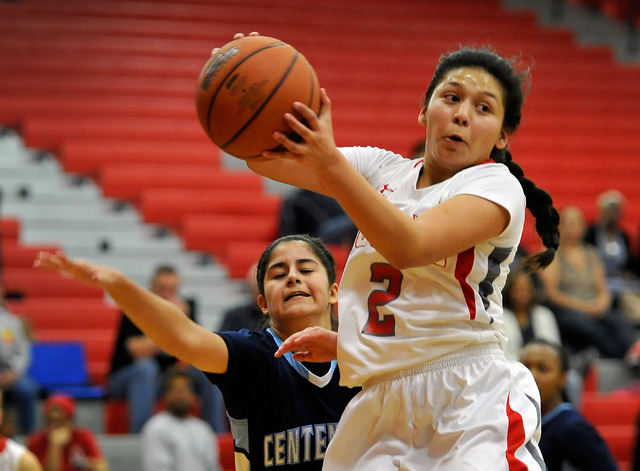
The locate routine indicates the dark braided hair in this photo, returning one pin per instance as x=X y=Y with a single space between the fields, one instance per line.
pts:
x=513 y=84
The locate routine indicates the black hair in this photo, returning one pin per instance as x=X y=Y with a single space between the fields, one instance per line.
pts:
x=507 y=291
x=514 y=85
x=163 y=269
x=317 y=247
x=559 y=350
x=175 y=371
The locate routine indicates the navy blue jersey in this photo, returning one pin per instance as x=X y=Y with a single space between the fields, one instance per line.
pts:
x=567 y=438
x=283 y=413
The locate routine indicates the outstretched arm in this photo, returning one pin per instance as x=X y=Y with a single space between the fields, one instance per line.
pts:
x=159 y=319
x=311 y=344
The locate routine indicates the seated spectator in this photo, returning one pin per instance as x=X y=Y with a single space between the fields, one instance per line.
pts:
x=247 y=315
x=614 y=246
x=62 y=446
x=567 y=437
x=307 y=212
x=13 y=455
x=138 y=363
x=576 y=287
x=175 y=440
x=19 y=389
x=527 y=320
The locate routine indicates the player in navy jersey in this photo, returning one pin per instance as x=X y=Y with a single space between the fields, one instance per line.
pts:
x=421 y=326
x=283 y=413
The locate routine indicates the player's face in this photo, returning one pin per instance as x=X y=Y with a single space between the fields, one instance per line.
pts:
x=296 y=287
x=463 y=120
x=544 y=364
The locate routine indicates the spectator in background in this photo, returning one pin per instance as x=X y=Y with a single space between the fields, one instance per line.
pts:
x=527 y=320
x=15 y=355
x=567 y=437
x=138 y=362
x=307 y=212
x=247 y=315
x=62 y=446
x=576 y=287
x=175 y=440
x=614 y=246
x=14 y=456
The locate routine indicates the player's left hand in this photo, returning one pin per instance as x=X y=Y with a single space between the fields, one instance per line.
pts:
x=314 y=344
x=78 y=269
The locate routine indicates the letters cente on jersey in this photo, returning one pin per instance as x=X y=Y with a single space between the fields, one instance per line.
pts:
x=300 y=444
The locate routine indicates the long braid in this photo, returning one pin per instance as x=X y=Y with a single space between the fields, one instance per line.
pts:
x=540 y=205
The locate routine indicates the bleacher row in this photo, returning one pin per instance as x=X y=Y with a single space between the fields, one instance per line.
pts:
x=107 y=86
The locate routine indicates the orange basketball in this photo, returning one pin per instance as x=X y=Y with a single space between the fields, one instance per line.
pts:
x=245 y=89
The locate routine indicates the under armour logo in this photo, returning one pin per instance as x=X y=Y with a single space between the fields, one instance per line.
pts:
x=386 y=188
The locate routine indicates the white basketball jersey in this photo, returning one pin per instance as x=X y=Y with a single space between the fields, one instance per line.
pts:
x=10 y=454
x=394 y=319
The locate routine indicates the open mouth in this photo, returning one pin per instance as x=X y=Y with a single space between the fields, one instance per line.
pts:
x=298 y=294
x=455 y=138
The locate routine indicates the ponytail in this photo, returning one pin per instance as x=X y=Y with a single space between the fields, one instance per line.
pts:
x=540 y=205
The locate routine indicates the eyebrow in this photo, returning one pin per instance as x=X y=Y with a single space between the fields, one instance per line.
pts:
x=300 y=261
x=483 y=92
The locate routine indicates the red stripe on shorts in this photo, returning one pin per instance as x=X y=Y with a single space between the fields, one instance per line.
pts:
x=515 y=439
x=464 y=264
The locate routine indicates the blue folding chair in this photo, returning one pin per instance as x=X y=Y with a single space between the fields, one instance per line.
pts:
x=62 y=367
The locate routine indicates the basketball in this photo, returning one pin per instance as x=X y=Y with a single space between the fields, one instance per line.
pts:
x=245 y=89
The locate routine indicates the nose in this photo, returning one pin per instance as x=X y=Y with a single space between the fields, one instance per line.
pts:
x=461 y=114
x=293 y=277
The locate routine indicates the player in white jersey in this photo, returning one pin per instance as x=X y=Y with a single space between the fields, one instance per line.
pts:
x=420 y=305
x=14 y=456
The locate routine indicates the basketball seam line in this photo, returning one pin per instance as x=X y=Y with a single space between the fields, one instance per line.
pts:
x=223 y=81
x=273 y=92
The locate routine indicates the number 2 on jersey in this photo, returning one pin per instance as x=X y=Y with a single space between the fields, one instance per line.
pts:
x=382 y=324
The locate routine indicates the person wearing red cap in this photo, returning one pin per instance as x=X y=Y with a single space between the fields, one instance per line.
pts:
x=61 y=446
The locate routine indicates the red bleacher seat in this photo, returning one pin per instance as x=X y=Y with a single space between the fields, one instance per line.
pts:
x=9 y=229
x=170 y=206
x=66 y=313
x=32 y=282
x=48 y=131
x=214 y=233
x=238 y=256
x=615 y=417
x=16 y=255
x=128 y=180
x=87 y=156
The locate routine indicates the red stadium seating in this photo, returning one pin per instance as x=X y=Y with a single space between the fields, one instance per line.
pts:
x=615 y=417
x=127 y=181
x=9 y=229
x=15 y=255
x=88 y=156
x=34 y=283
x=213 y=234
x=170 y=206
